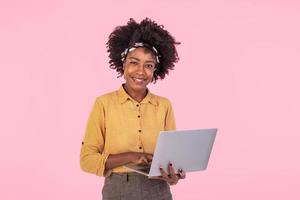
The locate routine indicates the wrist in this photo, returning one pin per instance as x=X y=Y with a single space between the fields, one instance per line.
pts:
x=129 y=156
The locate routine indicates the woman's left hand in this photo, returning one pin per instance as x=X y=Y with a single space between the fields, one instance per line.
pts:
x=172 y=178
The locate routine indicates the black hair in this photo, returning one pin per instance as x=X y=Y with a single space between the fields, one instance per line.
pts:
x=147 y=31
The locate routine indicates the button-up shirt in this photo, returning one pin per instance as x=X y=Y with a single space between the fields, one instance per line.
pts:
x=118 y=124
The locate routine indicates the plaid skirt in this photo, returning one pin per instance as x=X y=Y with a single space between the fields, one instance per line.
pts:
x=134 y=186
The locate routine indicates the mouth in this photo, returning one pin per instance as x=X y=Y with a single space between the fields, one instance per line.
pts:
x=138 y=80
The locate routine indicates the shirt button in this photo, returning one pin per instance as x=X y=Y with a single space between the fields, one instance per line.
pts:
x=137 y=105
x=140 y=147
x=140 y=130
x=139 y=116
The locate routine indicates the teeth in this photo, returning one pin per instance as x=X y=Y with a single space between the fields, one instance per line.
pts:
x=138 y=79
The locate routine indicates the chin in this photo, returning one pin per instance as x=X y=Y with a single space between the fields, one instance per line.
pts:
x=138 y=87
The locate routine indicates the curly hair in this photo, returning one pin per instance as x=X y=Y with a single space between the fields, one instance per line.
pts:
x=147 y=31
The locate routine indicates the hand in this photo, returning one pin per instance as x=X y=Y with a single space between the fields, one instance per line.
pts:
x=140 y=158
x=116 y=160
x=172 y=178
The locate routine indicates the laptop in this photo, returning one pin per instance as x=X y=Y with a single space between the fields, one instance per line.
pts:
x=188 y=150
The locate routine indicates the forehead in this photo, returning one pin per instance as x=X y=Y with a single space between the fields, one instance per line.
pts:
x=142 y=54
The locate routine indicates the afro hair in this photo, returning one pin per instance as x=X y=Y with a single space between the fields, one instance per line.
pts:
x=147 y=31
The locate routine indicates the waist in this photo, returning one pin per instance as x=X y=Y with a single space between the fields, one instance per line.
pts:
x=127 y=176
x=121 y=170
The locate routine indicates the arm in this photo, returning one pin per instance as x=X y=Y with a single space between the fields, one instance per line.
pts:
x=128 y=157
x=92 y=157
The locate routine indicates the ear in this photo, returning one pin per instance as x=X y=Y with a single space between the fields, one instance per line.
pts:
x=152 y=79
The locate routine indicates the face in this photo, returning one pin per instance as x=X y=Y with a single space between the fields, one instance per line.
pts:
x=139 y=67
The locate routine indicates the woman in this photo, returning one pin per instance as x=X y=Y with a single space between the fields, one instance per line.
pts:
x=124 y=125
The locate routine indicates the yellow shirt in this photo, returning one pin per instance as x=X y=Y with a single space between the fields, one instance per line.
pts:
x=118 y=124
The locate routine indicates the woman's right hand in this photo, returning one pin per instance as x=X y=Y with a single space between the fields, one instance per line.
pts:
x=140 y=158
x=116 y=160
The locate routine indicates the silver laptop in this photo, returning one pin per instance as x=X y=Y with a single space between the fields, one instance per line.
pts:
x=188 y=150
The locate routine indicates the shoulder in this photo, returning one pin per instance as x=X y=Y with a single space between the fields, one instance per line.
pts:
x=104 y=99
x=161 y=101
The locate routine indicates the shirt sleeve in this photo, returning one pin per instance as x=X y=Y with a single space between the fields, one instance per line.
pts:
x=170 y=119
x=92 y=157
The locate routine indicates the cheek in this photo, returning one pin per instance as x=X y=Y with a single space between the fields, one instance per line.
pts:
x=126 y=76
x=125 y=72
x=150 y=75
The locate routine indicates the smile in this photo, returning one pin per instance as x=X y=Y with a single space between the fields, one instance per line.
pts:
x=138 y=80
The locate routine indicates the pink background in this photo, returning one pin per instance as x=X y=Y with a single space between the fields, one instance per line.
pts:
x=239 y=72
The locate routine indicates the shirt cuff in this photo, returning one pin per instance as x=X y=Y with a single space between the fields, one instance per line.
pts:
x=102 y=171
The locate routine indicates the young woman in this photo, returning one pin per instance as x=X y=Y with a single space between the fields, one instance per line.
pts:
x=124 y=125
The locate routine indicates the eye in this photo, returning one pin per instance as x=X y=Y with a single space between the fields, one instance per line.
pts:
x=149 y=66
x=133 y=62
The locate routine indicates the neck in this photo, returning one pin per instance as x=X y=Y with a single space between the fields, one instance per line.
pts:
x=136 y=95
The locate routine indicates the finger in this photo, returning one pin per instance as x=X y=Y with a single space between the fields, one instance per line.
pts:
x=149 y=157
x=172 y=171
x=171 y=180
x=163 y=173
x=145 y=161
x=142 y=160
x=182 y=174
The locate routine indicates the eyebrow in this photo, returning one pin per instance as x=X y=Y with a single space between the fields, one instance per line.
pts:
x=152 y=61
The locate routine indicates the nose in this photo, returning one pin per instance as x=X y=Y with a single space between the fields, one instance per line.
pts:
x=140 y=69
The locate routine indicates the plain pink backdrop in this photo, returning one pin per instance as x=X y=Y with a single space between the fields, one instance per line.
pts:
x=239 y=71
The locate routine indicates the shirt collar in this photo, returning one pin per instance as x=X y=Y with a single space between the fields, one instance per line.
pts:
x=123 y=97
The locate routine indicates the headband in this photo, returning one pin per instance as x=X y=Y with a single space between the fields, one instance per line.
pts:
x=140 y=44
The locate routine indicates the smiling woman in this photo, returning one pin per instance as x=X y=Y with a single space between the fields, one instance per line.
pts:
x=138 y=72
x=123 y=125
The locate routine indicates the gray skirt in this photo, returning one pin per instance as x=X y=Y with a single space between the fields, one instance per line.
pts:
x=134 y=186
